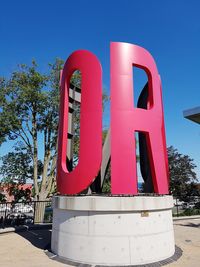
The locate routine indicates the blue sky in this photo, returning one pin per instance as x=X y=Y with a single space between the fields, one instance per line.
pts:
x=170 y=30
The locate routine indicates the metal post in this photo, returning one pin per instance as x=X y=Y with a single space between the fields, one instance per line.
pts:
x=34 y=204
x=177 y=206
x=5 y=213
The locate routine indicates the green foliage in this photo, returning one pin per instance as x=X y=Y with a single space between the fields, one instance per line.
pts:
x=18 y=166
x=4 y=128
x=2 y=198
x=76 y=79
x=190 y=212
x=29 y=102
x=20 y=194
x=197 y=205
x=182 y=175
x=106 y=189
x=29 y=110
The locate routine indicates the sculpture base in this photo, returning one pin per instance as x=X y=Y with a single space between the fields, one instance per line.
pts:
x=112 y=230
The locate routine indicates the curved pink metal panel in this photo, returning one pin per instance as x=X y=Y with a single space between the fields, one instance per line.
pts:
x=125 y=120
x=90 y=151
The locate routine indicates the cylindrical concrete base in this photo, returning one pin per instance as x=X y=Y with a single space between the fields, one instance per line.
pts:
x=101 y=230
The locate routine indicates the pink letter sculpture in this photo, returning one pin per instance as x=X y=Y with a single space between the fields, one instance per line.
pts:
x=123 y=228
x=125 y=121
x=90 y=124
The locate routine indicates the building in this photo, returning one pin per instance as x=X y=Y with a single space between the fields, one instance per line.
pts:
x=192 y=114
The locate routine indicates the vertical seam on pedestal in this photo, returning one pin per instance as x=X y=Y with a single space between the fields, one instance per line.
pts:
x=129 y=242
x=88 y=222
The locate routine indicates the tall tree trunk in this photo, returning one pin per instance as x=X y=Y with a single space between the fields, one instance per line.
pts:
x=39 y=211
x=35 y=157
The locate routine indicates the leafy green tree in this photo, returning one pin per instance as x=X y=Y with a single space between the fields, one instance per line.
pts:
x=29 y=112
x=2 y=198
x=182 y=175
x=29 y=109
x=4 y=128
x=17 y=166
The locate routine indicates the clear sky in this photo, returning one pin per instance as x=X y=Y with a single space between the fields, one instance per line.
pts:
x=170 y=30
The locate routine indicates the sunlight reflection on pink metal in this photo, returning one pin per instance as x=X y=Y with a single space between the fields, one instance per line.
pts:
x=126 y=120
x=90 y=151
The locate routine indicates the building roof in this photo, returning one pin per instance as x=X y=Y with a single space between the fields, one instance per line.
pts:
x=192 y=114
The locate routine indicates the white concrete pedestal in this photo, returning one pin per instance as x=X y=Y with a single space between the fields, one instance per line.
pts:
x=100 y=230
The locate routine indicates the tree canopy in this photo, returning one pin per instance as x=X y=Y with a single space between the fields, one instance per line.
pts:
x=17 y=165
x=29 y=112
x=182 y=175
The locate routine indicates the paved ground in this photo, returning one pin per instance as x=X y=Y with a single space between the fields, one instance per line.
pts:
x=26 y=249
x=187 y=236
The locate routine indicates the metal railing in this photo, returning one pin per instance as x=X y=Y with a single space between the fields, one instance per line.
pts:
x=20 y=213
x=188 y=206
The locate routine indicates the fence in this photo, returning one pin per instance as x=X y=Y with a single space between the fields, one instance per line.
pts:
x=188 y=206
x=12 y=213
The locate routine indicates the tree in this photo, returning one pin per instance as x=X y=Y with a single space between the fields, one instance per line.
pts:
x=182 y=175
x=4 y=128
x=17 y=166
x=29 y=112
x=29 y=109
x=19 y=193
x=2 y=198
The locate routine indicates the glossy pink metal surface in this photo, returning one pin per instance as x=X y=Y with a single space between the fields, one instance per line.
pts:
x=90 y=151
x=126 y=120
